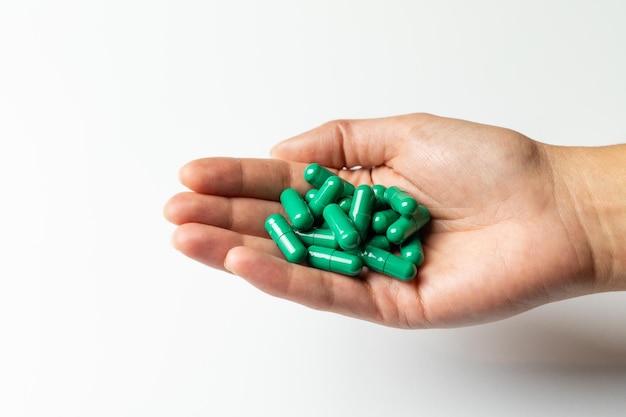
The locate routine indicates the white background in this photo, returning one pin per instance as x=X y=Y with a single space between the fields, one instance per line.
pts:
x=102 y=101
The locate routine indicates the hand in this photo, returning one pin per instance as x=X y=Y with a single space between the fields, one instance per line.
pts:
x=499 y=242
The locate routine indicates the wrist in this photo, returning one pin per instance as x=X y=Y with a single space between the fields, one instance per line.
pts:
x=590 y=190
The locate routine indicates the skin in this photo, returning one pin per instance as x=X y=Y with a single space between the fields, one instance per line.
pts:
x=516 y=223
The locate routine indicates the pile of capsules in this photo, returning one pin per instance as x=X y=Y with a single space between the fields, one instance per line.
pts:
x=342 y=228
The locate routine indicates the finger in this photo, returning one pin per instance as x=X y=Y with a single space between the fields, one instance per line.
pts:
x=209 y=244
x=242 y=215
x=349 y=143
x=243 y=177
x=314 y=288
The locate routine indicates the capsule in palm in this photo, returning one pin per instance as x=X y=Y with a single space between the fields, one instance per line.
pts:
x=283 y=235
x=422 y=216
x=361 y=209
x=297 y=209
x=328 y=193
x=381 y=220
x=308 y=196
x=334 y=260
x=379 y=192
x=380 y=241
x=345 y=203
x=315 y=174
x=387 y=263
x=342 y=227
x=318 y=237
x=406 y=226
x=401 y=201
x=411 y=250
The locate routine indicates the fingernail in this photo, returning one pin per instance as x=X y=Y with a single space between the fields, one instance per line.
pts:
x=226 y=263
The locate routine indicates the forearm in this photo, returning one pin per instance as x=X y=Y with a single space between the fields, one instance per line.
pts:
x=590 y=188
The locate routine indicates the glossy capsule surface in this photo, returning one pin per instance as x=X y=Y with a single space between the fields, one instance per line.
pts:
x=361 y=209
x=342 y=227
x=401 y=229
x=308 y=196
x=334 y=260
x=297 y=209
x=412 y=250
x=328 y=193
x=406 y=226
x=318 y=237
x=381 y=220
x=387 y=263
x=315 y=174
x=283 y=235
x=379 y=192
x=422 y=216
x=380 y=241
x=345 y=203
x=401 y=201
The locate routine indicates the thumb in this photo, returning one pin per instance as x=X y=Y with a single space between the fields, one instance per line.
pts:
x=349 y=143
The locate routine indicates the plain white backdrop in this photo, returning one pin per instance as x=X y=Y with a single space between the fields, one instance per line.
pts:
x=102 y=101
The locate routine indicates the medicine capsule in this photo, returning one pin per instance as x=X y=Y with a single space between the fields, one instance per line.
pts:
x=401 y=201
x=379 y=192
x=401 y=229
x=334 y=260
x=381 y=220
x=412 y=250
x=362 y=207
x=297 y=209
x=328 y=193
x=422 y=216
x=342 y=227
x=315 y=174
x=318 y=237
x=310 y=194
x=283 y=235
x=405 y=226
x=380 y=241
x=345 y=203
x=387 y=263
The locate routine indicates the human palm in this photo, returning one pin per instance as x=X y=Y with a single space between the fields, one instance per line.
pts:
x=497 y=244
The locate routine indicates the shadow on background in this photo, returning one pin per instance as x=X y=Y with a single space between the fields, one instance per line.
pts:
x=575 y=338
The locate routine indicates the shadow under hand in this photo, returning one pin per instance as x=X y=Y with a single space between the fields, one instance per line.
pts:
x=574 y=337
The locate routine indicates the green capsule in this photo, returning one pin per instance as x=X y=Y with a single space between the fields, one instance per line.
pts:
x=400 y=201
x=344 y=230
x=345 y=203
x=406 y=226
x=297 y=209
x=315 y=174
x=328 y=193
x=381 y=220
x=411 y=250
x=310 y=194
x=401 y=229
x=334 y=260
x=387 y=263
x=362 y=207
x=380 y=241
x=348 y=188
x=379 y=192
x=318 y=237
x=422 y=216
x=283 y=235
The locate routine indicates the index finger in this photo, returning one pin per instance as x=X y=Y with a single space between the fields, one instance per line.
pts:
x=243 y=177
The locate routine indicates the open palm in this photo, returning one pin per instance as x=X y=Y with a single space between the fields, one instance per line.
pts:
x=498 y=242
